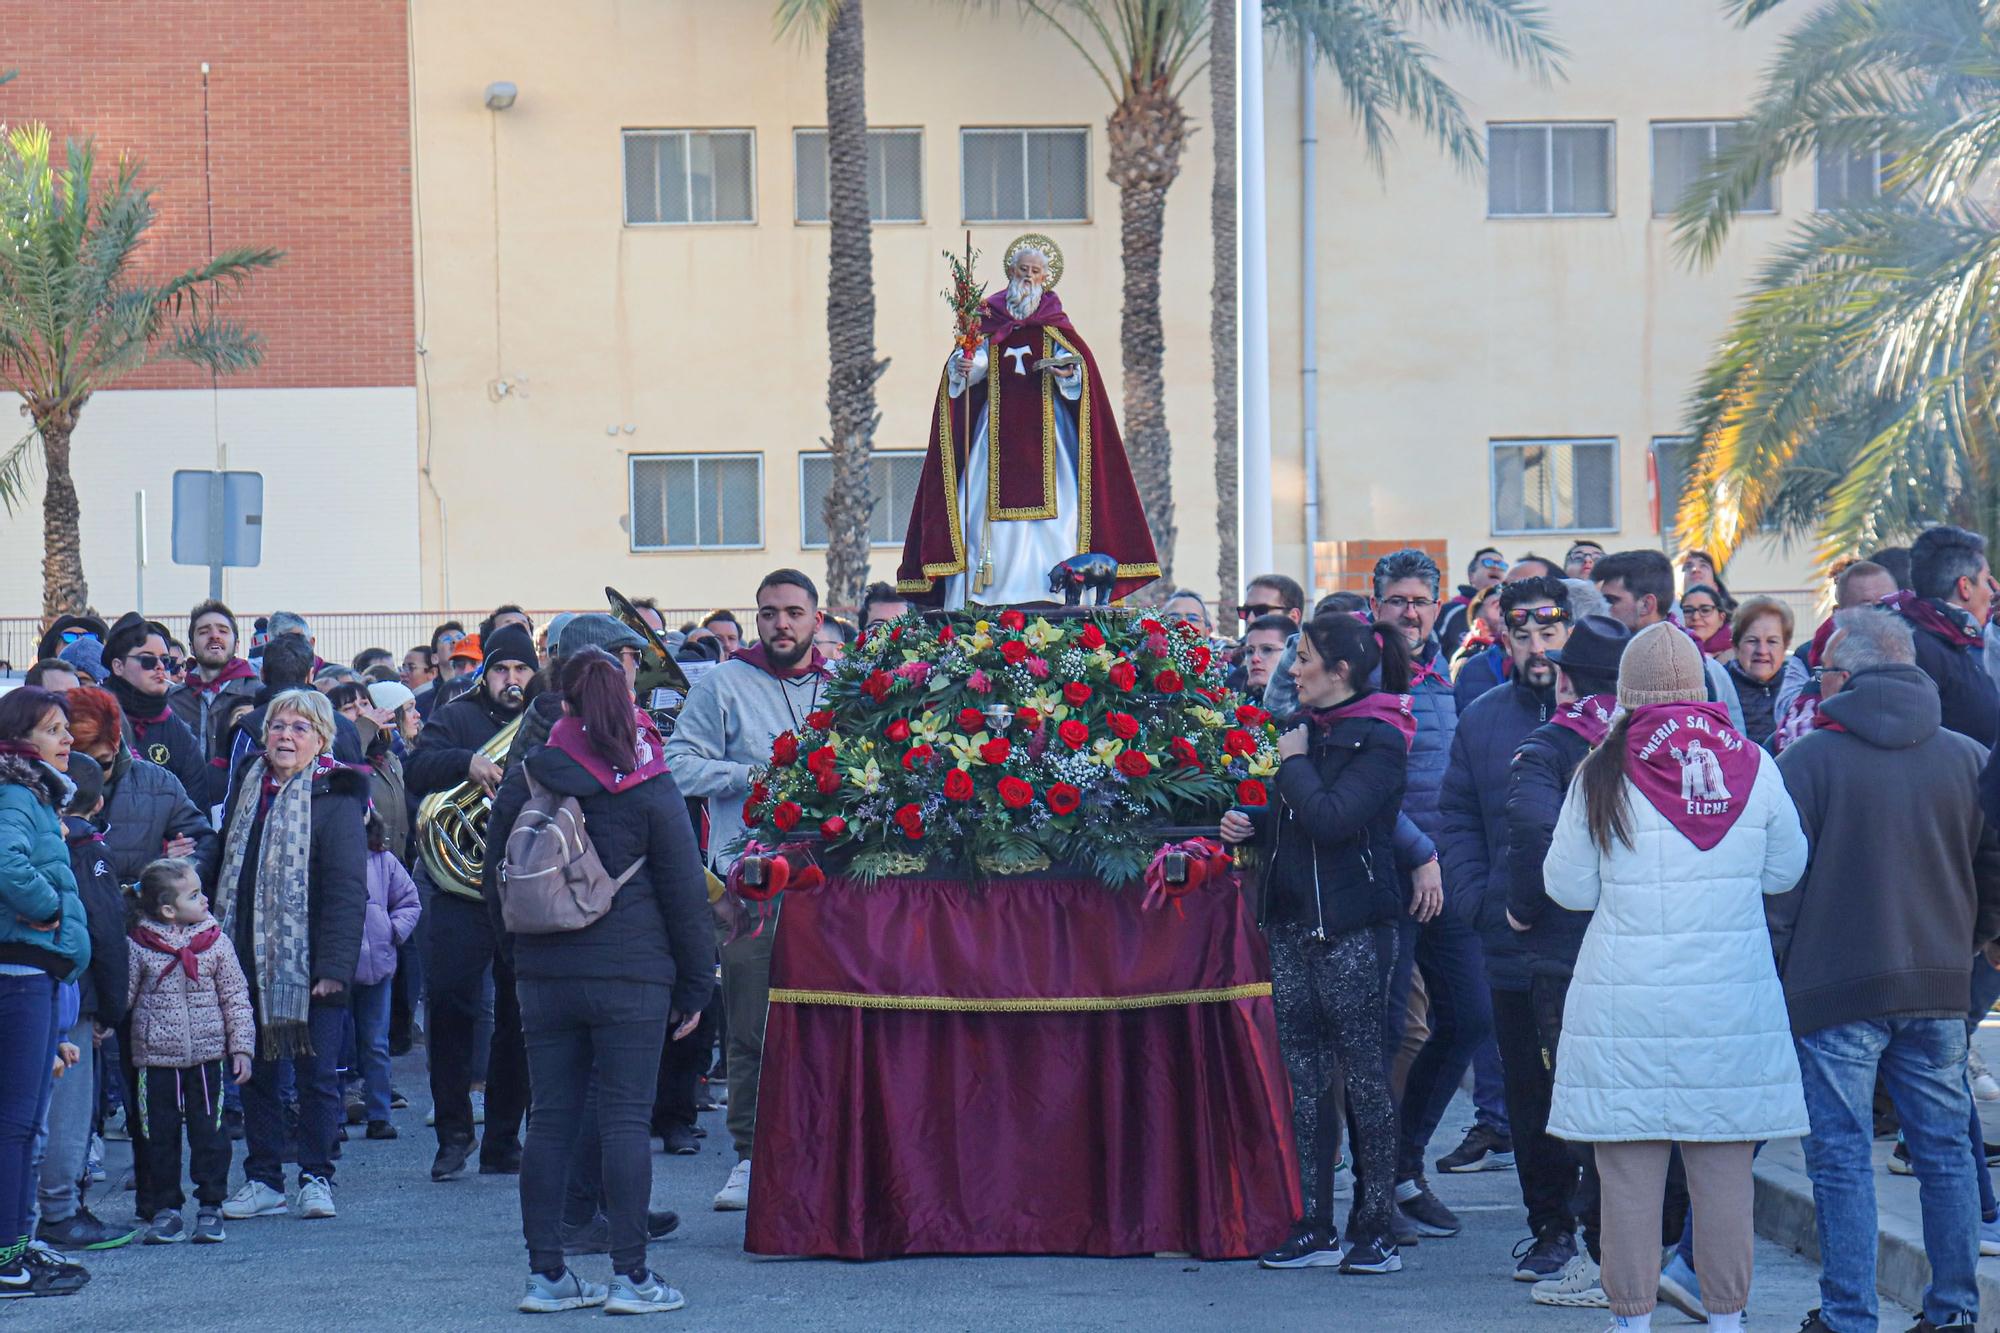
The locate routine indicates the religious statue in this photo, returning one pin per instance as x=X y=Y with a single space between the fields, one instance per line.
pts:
x=990 y=521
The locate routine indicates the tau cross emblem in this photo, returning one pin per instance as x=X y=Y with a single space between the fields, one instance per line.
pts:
x=1020 y=355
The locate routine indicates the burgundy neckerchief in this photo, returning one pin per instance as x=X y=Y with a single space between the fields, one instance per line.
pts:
x=1694 y=767
x=235 y=669
x=189 y=954
x=1719 y=642
x=573 y=739
x=1589 y=717
x=996 y=325
x=1942 y=619
x=1396 y=709
x=813 y=665
x=1421 y=669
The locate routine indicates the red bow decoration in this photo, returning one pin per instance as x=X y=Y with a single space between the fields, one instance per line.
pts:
x=1180 y=868
x=762 y=873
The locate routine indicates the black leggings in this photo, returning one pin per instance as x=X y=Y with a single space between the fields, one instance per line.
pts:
x=1329 y=1000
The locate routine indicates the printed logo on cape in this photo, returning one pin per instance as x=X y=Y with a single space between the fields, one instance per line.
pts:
x=1693 y=767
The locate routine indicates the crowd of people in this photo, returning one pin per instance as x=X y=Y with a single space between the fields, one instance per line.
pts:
x=1660 y=880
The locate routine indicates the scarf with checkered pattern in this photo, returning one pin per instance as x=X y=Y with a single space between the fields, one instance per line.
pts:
x=280 y=918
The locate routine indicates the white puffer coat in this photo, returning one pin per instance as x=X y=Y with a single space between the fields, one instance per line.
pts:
x=1675 y=1026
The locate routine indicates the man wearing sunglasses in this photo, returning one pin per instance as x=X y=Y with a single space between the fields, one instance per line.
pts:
x=1273 y=595
x=1486 y=568
x=140 y=671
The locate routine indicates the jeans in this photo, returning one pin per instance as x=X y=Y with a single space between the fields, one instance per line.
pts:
x=1985 y=991
x=1545 y=1167
x=371 y=1044
x=28 y=1036
x=1922 y=1063
x=461 y=950
x=66 y=1140
x=318 y=1079
x=598 y=1038
x=1454 y=971
x=173 y=1102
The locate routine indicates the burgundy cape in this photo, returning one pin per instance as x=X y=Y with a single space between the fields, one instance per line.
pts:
x=1021 y=481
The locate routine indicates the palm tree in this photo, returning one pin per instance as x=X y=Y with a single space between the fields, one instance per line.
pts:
x=74 y=319
x=1853 y=398
x=1223 y=298
x=850 y=292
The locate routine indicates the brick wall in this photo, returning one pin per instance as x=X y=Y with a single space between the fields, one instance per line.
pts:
x=1350 y=566
x=308 y=112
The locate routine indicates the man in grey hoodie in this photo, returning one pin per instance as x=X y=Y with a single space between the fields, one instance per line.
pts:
x=723 y=736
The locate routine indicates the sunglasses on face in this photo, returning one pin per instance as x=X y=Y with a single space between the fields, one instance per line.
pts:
x=1259 y=609
x=1490 y=563
x=153 y=662
x=1523 y=616
x=72 y=635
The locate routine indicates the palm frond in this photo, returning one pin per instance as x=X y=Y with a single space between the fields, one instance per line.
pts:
x=806 y=19
x=1519 y=31
x=17 y=471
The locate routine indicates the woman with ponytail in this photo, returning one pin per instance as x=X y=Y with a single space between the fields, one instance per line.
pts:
x=1675 y=1029
x=597 y=1003
x=1331 y=898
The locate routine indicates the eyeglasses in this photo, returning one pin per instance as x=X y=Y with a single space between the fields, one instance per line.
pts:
x=289 y=728
x=153 y=662
x=1698 y=610
x=1523 y=616
x=1400 y=604
x=1256 y=609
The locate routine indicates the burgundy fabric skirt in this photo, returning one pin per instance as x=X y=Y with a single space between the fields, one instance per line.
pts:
x=1034 y=1066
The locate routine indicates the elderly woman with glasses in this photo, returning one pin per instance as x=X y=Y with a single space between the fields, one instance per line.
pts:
x=291 y=897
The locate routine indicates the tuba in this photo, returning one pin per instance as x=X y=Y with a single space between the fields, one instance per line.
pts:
x=451 y=825
x=662 y=686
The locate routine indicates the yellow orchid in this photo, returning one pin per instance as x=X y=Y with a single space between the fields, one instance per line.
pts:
x=1106 y=751
x=1046 y=702
x=928 y=726
x=965 y=749
x=869 y=778
x=1042 y=635
x=1264 y=763
x=1209 y=718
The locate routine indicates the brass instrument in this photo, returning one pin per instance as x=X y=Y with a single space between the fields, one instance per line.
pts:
x=657 y=668
x=451 y=825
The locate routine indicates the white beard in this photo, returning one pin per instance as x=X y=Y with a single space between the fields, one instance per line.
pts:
x=1023 y=298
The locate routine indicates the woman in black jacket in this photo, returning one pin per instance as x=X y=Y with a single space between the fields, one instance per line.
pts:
x=597 y=1003
x=1331 y=897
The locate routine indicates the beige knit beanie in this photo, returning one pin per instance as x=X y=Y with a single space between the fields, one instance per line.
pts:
x=1661 y=665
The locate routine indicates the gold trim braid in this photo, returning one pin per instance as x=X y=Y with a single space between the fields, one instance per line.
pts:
x=1061 y=1004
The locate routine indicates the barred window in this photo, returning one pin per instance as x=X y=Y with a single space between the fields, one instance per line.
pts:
x=895 y=175
x=1683 y=153
x=1025 y=175
x=1844 y=180
x=689 y=502
x=674 y=177
x=892 y=484
x=1553 y=170
x=1555 y=486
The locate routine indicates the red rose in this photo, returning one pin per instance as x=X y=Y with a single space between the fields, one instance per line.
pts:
x=1152 y=626
x=1123 y=725
x=785 y=749
x=786 y=816
x=759 y=793
x=946 y=634
x=1076 y=694
x=1124 y=675
x=1239 y=743
x=1184 y=751
x=1014 y=651
x=1015 y=793
x=896 y=634
x=832 y=827
x=1250 y=715
x=911 y=820
x=1134 y=764
x=917 y=754
x=1251 y=792
x=958 y=785
x=750 y=809
x=1210 y=693
x=878 y=685
x=1199 y=656
x=829 y=782
x=1092 y=638
x=971 y=721
x=1064 y=799
x=1028 y=718
x=1013 y=620
x=820 y=719
x=1169 y=682
x=898 y=731
x=1073 y=734
x=821 y=760
x=996 y=750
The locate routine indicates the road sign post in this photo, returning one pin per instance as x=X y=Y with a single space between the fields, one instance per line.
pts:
x=218 y=522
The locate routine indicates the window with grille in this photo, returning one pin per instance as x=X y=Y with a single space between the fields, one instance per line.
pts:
x=1025 y=175
x=697 y=502
x=1555 y=486
x=895 y=175
x=674 y=177
x=1558 y=170
x=892 y=485
x=1844 y=180
x=1683 y=153
x=1673 y=461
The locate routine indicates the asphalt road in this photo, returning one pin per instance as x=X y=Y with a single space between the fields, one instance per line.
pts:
x=407 y=1253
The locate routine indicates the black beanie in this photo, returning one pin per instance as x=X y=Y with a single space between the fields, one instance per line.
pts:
x=88 y=778
x=510 y=643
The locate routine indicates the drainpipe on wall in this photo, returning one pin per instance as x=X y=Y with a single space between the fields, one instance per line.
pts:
x=1254 y=527
x=1309 y=304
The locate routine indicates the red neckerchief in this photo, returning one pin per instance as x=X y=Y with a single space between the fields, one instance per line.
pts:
x=235 y=669
x=1941 y=619
x=1395 y=709
x=1693 y=767
x=189 y=954
x=814 y=664
x=1589 y=717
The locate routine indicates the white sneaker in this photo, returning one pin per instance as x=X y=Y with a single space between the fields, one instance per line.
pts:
x=316 y=1198
x=255 y=1199
x=1984 y=1086
x=735 y=1196
x=1576 y=1287
x=478 y=1108
x=1989 y=1238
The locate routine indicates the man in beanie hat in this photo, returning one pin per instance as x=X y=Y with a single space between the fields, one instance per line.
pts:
x=86 y=658
x=139 y=674
x=1537 y=781
x=461 y=940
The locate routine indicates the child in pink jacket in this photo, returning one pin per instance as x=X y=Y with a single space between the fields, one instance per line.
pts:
x=392 y=914
x=190 y=1007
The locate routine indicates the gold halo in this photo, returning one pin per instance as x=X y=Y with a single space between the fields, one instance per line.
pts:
x=1039 y=242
